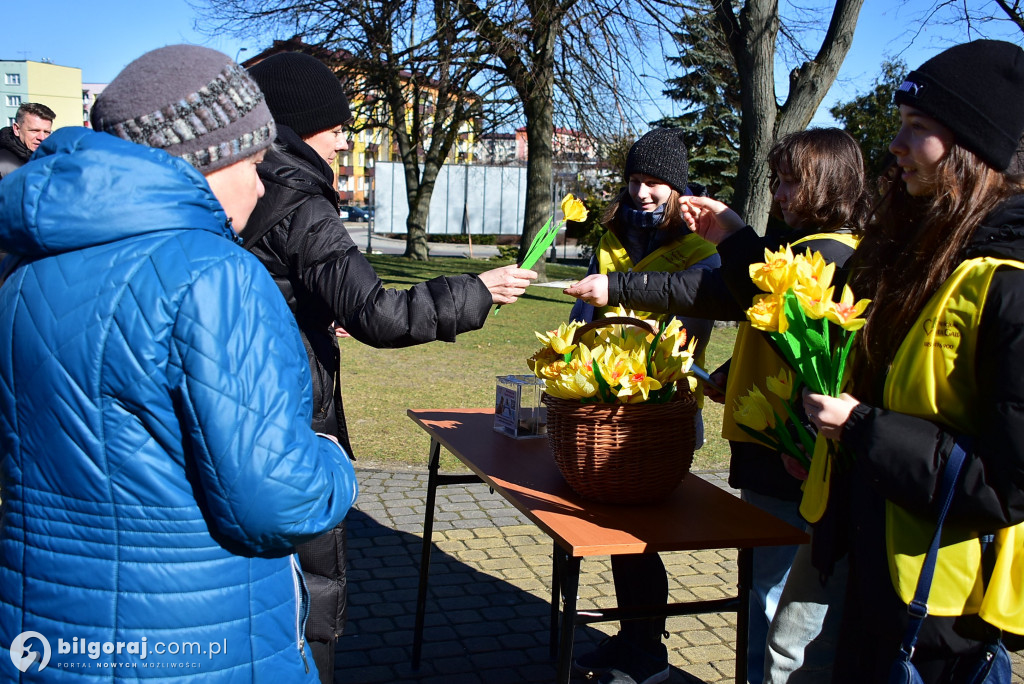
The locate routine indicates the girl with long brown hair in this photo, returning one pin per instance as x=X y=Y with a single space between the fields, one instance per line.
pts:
x=939 y=364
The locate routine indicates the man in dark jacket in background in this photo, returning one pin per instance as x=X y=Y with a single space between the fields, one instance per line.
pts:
x=32 y=125
x=297 y=234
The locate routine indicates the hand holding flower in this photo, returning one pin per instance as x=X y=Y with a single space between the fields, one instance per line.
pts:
x=829 y=414
x=508 y=283
x=793 y=467
x=593 y=289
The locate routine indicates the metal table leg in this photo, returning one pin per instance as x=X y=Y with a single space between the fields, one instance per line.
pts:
x=745 y=567
x=555 y=603
x=568 y=571
x=428 y=533
x=434 y=480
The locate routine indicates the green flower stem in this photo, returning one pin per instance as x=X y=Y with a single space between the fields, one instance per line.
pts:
x=541 y=241
x=806 y=441
x=762 y=437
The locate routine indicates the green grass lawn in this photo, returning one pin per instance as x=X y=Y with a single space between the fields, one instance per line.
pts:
x=380 y=384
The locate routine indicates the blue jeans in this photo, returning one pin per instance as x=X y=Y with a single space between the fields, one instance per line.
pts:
x=771 y=567
x=802 y=639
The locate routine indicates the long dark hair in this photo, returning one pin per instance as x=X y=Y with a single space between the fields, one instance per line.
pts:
x=910 y=247
x=829 y=167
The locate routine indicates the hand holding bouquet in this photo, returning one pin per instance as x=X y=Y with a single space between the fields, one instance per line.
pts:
x=814 y=334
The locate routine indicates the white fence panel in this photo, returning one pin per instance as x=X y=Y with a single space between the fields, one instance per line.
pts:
x=467 y=199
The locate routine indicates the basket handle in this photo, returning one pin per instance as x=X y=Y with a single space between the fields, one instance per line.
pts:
x=611 y=320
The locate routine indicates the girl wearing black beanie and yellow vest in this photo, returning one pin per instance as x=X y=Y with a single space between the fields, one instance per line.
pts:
x=939 y=362
x=646 y=233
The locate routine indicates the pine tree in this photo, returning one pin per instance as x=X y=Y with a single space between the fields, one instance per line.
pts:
x=872 y=119
x=708 y=87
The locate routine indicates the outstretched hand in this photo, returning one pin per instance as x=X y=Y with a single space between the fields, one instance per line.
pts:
x=593 y=289
x=709 y=218
x=508 y=283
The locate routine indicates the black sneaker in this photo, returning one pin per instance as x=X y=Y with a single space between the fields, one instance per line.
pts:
x=641 y=666
x=610 y=652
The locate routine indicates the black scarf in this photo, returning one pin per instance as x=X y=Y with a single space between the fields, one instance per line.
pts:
x=11 y=142
x=291 y=141
x=642 y=235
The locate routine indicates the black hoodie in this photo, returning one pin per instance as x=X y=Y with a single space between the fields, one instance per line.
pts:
x=13 y=152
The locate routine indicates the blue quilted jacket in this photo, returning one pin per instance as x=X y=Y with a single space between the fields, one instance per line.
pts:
x=156 y=460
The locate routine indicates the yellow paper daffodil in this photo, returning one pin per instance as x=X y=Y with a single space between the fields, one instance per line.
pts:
x=816 y=304
x=636 y=387
x=766 y=313
x=846 y=313
x=776 y=274
x=812 y=273
x=780 y=385
x=573 y=209
x=573 y=386
x=541 y=363
x=560 y=340
x=754 y=411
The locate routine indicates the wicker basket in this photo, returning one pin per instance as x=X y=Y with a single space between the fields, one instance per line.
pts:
x=623 y=453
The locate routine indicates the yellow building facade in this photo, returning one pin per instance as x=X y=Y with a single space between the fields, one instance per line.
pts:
x=57 y=87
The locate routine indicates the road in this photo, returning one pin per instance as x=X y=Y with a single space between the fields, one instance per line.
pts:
x=383 y=245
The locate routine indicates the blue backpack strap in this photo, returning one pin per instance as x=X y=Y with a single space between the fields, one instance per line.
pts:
x=918 y=607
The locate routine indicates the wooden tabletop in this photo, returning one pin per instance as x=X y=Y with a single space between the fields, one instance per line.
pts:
x=698 y=515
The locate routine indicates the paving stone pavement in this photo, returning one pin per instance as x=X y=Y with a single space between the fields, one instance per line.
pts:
x=487 y=616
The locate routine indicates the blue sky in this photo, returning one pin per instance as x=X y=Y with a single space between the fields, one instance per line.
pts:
x=102 y=36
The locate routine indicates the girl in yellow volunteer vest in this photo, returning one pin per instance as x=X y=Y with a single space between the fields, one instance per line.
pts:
x=819 y=192
x=646 y=232
x=940 y=359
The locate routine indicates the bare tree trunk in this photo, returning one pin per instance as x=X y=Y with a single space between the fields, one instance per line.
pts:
x=539 y=132
x=419 y=203
x=416 y=223
x=751 y=37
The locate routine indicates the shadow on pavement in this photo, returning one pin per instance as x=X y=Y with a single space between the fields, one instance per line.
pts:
x=479 y=628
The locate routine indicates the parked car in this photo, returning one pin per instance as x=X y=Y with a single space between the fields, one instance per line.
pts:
x=359 y=213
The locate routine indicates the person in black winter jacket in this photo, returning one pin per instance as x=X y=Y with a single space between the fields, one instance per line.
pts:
x=939 y=362
x=328 y=283
x=32 y=124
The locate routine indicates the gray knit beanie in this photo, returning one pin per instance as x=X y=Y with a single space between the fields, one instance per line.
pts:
x=302 y=92
x=191 y=101
x=660 y=153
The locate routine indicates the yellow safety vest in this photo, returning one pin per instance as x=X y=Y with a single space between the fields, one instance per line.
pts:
x=933 y=377
x=754 y=359
x=678 y=255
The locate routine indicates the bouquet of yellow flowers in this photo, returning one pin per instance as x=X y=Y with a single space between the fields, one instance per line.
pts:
x=620 y=363
x=814 y=334
x=797 y=311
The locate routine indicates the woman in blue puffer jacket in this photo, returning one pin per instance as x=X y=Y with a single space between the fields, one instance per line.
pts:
x=156 y=461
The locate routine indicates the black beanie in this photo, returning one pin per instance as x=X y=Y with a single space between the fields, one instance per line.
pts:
x=302 y=92
x=660 y=153
x=976 y=90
